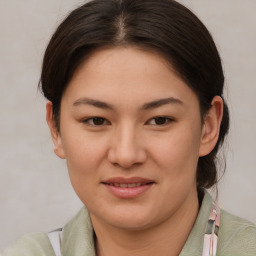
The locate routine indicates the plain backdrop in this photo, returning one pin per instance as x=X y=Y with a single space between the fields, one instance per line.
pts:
x=35 y=193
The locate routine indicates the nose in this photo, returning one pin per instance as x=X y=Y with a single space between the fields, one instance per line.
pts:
x=127 y=149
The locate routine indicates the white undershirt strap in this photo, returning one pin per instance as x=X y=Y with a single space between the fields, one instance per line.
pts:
x=210 y=238
x=55 y=239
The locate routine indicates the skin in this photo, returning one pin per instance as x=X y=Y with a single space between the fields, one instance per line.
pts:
x=120 y=85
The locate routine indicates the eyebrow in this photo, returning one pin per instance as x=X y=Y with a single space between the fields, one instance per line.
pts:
x=161 y=102
x=146 y=106
x=95 y=103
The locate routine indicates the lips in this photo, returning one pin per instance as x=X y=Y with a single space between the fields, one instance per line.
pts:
x=132 y=180
x=128 y=187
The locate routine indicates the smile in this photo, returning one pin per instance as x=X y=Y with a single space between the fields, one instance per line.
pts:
x=128 y=188
x=125 y=185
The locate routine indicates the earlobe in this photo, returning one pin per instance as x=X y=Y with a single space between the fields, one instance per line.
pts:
x=55 y=134
x=211 y=127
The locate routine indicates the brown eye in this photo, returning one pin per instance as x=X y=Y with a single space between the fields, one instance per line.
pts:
x=160 y=120
x=96 y=121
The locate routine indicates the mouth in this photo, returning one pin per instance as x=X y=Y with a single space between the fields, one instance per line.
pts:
x=128 y=188
x=127 y=185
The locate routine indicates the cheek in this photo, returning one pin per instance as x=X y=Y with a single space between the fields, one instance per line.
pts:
x=178 y=153
x=83 y=153
x=83 y=161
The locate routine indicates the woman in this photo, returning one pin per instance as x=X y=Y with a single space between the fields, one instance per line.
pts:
x=135 y=106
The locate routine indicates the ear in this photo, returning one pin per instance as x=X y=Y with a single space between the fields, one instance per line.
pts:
x=211 y=127
x=56 y=137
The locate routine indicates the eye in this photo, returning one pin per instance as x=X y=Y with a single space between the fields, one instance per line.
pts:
x=96 y=121
x=160 y=120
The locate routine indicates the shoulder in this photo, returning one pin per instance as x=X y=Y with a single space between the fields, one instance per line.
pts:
x=237 y=236
x=31 y=245
x=77 y=239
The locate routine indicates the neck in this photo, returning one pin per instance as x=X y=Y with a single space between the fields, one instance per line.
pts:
x=165 y=239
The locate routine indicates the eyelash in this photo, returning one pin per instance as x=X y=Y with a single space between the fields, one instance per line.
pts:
x=161 y=118
x=91 y=121
x=95 y=118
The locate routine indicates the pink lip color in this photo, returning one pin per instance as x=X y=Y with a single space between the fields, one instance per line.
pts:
x=128 y=192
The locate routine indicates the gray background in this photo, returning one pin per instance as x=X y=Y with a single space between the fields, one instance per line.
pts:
x=35 y=194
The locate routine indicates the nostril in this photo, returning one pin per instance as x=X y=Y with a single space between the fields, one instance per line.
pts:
x=126 y=155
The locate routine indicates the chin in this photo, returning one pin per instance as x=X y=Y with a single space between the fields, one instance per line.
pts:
x=132 y=224
x=130 y=218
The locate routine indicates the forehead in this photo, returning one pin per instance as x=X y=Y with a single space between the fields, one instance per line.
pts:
x=126 y=73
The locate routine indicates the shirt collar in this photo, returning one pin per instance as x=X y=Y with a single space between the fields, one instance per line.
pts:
x=194 y=243
x=78 y=235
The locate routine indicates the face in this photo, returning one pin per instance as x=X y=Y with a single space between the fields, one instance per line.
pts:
x=131 y=132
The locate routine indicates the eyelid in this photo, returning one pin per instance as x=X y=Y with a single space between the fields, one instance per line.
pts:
x=87 y=121
x=168 y=119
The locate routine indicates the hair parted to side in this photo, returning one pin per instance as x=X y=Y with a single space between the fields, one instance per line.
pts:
x=163 y=26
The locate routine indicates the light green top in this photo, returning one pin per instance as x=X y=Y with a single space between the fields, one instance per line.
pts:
x=237 y=237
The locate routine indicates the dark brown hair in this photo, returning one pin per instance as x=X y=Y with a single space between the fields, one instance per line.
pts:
x=164 y=26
